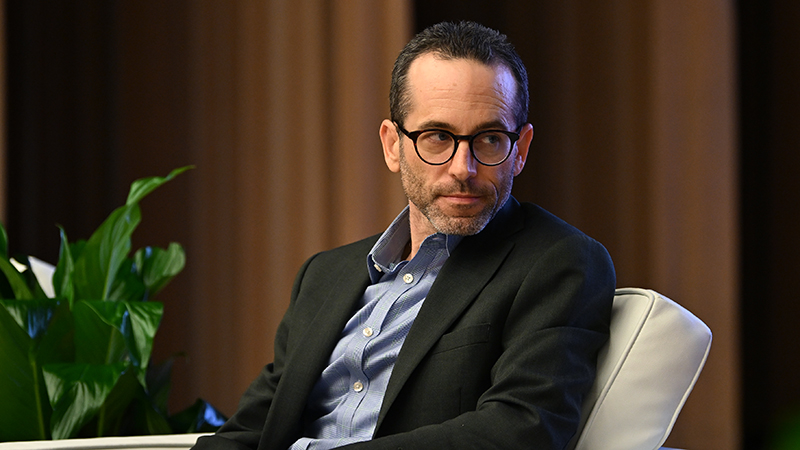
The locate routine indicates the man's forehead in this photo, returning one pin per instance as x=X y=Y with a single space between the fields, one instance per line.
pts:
x=433 y=60
x=432 y=69
x=437 y=82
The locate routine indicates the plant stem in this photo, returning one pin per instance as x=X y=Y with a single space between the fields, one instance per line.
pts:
x=101 y=421
x=37 y=395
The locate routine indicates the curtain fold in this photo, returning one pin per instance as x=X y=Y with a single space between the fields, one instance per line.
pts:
x=286 y=98
x=635 y=109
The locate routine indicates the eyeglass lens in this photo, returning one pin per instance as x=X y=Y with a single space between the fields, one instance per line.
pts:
x=489 y=147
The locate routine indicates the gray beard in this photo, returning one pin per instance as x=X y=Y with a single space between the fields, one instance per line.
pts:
x=423 y=199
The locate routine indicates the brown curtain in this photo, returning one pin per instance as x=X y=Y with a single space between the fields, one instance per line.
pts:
x=284 y=100
x=635 y=109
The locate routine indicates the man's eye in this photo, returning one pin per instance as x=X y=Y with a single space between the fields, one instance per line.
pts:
x=436 y=137
x=489 y=139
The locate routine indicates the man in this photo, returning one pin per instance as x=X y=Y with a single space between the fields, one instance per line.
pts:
x=473 y=321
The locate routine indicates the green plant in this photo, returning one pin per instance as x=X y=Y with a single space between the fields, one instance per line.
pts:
x=78 y=364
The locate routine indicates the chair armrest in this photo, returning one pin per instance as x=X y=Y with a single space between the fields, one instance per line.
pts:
x=158 y=442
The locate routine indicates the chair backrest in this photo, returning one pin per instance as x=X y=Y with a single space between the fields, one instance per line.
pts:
x=656 y=351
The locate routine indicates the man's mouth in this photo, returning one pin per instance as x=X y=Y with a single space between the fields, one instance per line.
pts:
x=461 y=199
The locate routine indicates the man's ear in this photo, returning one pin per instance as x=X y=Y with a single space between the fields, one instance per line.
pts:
x=391 y=145
x=523 y=145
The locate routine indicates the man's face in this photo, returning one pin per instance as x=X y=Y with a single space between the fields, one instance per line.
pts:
x=464 y=97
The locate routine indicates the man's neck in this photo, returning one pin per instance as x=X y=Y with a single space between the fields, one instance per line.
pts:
x=420 y=227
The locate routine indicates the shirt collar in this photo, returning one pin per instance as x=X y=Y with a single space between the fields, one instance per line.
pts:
x=388 y=251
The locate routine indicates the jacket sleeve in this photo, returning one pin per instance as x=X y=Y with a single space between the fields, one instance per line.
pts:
x=556 y=323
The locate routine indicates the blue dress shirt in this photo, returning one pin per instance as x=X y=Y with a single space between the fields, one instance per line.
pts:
x=344 y=404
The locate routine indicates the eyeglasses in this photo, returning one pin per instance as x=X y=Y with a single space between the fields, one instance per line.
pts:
x=436 y=147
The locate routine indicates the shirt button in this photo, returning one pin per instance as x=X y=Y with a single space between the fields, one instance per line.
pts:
x=367 y=332
x=408 y=278
x=358 y=386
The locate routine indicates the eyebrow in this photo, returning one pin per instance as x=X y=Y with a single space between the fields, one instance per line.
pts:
x=491 y=125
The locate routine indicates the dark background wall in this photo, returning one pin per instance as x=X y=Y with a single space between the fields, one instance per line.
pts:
x=61 y=103
x=74 y=145
x=769 y=70
x=80 y=125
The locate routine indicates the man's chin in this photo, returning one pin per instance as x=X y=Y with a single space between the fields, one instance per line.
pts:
x=460 y=226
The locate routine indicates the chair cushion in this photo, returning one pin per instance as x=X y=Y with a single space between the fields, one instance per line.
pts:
x=655 y=353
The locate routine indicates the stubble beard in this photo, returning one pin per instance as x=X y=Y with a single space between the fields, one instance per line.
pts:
x=424 y=198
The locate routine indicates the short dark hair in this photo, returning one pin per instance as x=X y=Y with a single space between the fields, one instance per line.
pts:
x=463 y=40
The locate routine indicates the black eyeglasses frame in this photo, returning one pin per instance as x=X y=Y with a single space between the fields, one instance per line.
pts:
x=413 y=135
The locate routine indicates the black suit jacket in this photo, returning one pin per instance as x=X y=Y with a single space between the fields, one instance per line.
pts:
x=500 y=356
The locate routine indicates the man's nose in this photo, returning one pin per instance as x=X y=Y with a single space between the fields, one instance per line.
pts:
x=463 y=165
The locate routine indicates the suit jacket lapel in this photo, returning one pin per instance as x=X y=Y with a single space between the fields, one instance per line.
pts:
x=310 y=355
x=461 y=279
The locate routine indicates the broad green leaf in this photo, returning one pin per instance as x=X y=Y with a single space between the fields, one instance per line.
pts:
x=22 y=411
x=5 y=287
x=3 y=242
x=112 y=415
x=159 y=382
x=145 y=319
x=140 y=188
x=62 y=278
x=108 y=332
x=132 y=411
x=77 y=392
x=159 y=266
x=128 y=410
x=98 y=334
x=16 y=280
x=32 y=316
x=31 y=332
x=128 y=285
x=76 y=248
x=57 y=344
x=155 y=421
x=147 y=417
x=104 y=253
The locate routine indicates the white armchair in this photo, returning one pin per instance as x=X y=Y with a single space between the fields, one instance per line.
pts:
x=654 y=356
x=655 y=353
